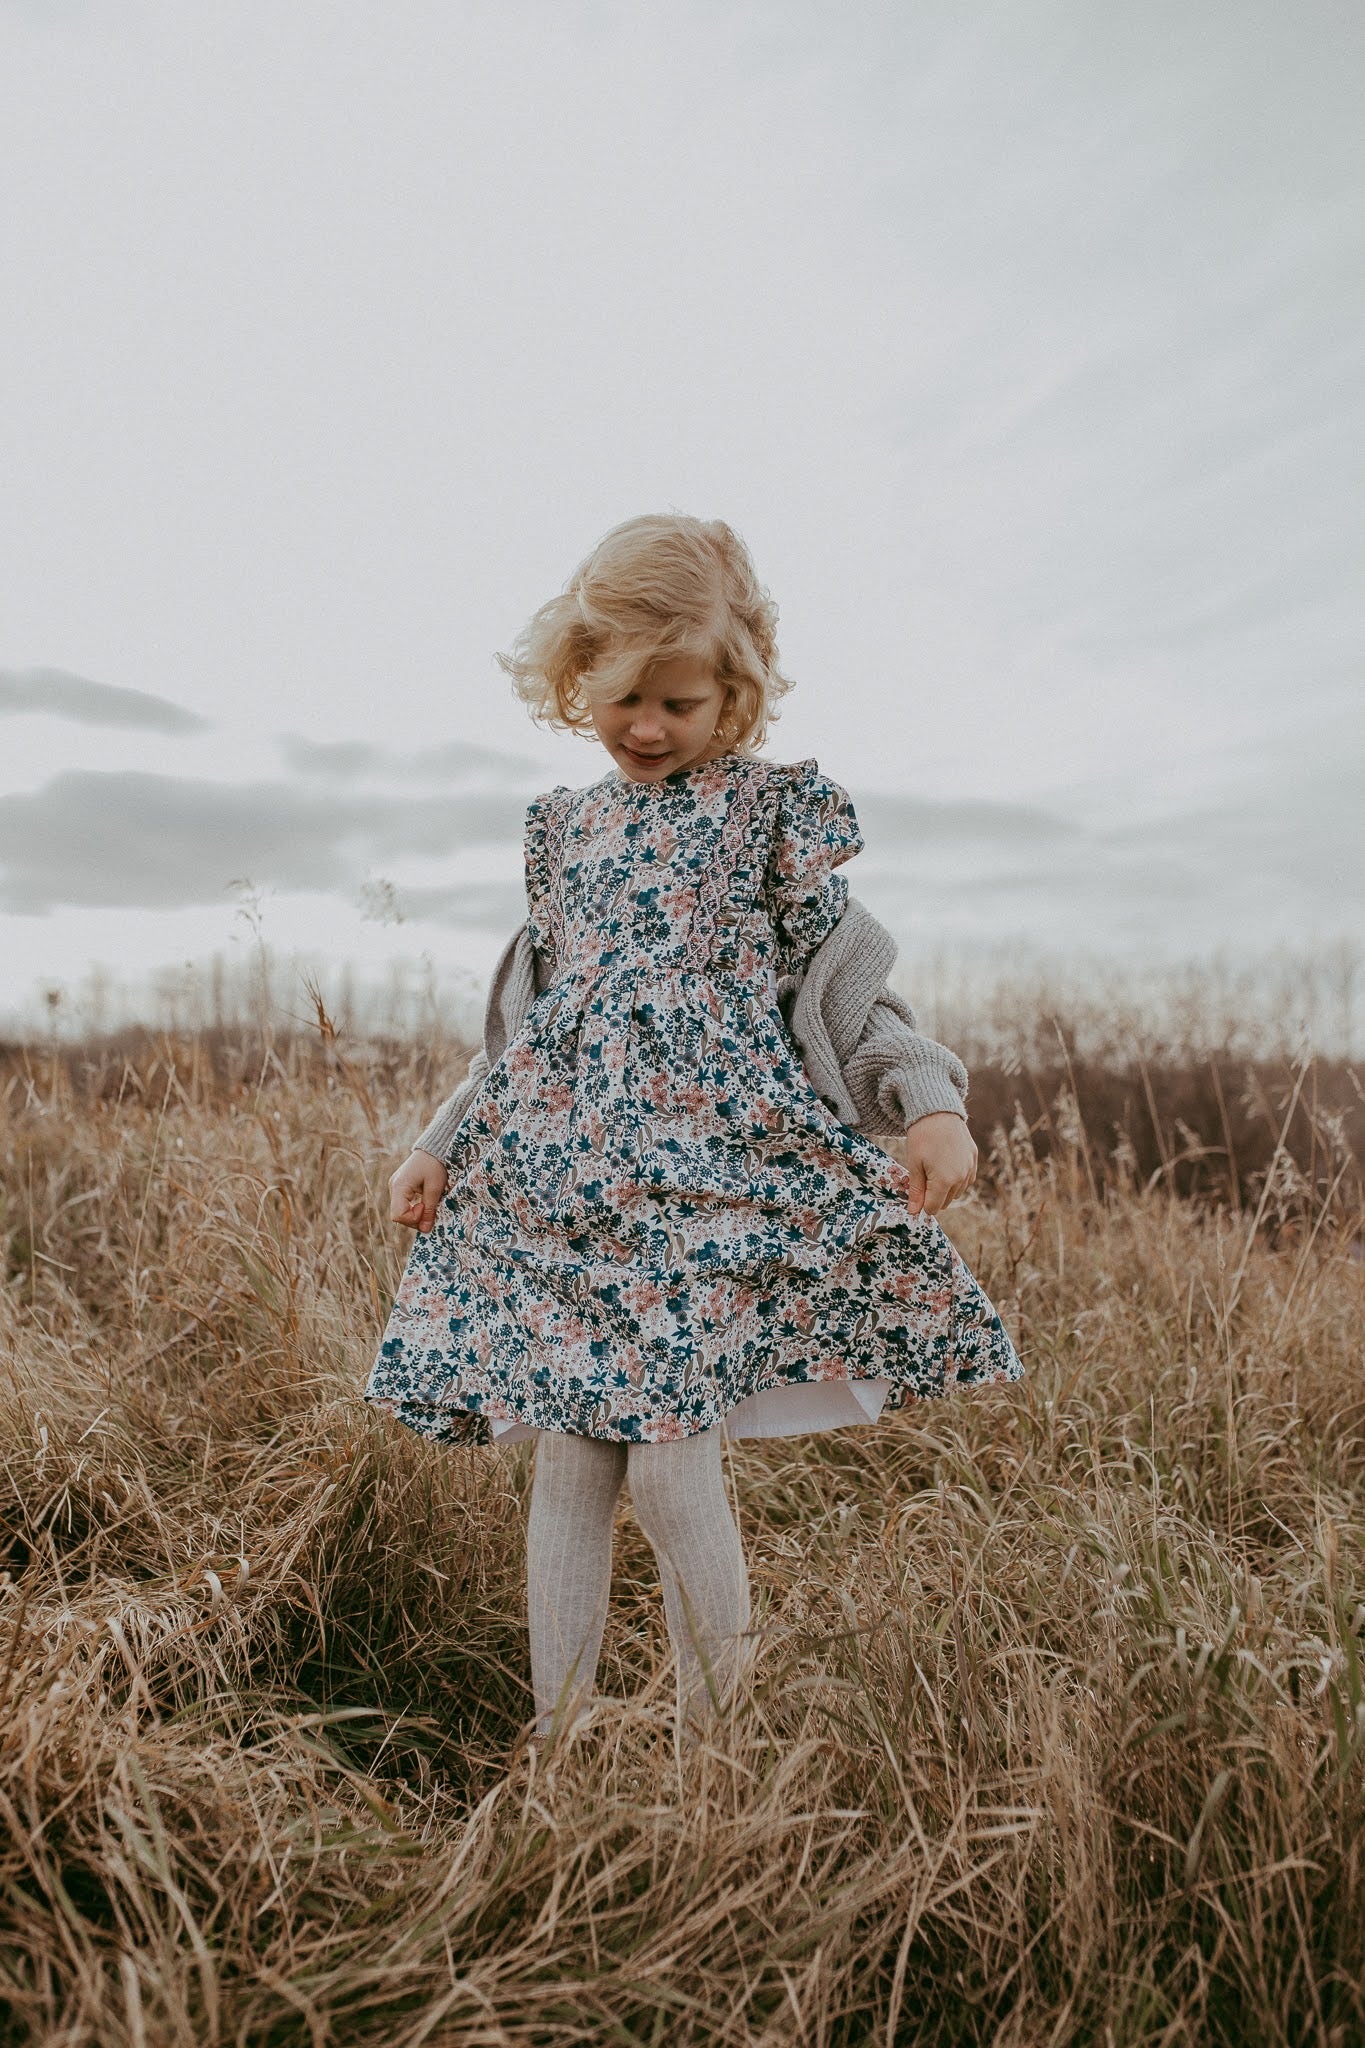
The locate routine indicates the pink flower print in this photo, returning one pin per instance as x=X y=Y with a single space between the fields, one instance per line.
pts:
x=634 y=1364
x=655 y=1091
x=420 y=1298
x=558 y=1098
x=642 y=1296
x=828 y=1369
x=679 y=903
x=614 y=1057
x=664 y=1429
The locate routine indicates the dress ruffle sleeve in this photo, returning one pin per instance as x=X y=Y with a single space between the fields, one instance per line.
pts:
x=814 y=832
x=543 y=834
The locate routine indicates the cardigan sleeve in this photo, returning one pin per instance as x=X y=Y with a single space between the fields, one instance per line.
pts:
x=895 y=1074
x=815 y=830
x=863 y=1051
x=520 y=975
x=438 y=1138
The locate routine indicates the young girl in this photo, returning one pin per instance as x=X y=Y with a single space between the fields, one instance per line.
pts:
x=640 y=1227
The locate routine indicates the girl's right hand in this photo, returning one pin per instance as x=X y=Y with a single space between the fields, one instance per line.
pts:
x=415 y=1190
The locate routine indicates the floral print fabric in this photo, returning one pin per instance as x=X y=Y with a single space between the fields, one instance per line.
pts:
x=650 y=1215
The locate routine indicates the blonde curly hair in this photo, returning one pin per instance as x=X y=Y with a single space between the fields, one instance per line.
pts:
x=656 y=586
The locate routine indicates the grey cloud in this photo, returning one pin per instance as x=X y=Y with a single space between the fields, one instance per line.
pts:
x=356 y=760
x=896 y=824
x=137 y=840
x=1275 y=854
x=486 y=906
x=60 y=695
x=329 y=760
x=890 y=822
x=161 y=842
x=1289 y=821
x=1306 y=847
x=1093 y=902
x=1270 y=854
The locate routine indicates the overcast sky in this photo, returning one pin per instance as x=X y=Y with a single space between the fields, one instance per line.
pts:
x=1022 y=343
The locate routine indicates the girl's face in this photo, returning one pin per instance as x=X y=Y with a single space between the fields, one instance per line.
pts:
x=666 y=723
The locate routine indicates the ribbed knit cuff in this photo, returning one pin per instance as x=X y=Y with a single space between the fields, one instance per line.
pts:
x=439 y=1136
x=923 y=1081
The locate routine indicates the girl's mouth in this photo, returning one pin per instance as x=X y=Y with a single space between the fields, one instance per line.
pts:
x=644 y=759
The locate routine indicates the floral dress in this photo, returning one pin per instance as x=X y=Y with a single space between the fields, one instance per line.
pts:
x=652 y=1222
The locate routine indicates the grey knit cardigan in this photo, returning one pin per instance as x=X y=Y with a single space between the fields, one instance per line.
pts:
x=857 y=1038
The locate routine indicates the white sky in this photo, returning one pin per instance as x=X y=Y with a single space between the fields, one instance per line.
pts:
x=1022 y=343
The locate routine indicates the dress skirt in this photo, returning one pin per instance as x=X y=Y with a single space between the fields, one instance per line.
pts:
x=653 y=1225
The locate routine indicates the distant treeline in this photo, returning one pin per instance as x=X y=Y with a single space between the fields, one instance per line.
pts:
x=1281 y=1134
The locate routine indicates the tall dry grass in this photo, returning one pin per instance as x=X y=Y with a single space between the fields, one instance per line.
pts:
x=1058 y=1724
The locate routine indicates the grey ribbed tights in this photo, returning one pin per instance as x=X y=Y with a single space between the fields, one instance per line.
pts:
x=678 y=1493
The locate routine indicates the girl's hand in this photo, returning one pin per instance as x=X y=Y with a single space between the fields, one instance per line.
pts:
x=415 y=1190
x=940 y=1153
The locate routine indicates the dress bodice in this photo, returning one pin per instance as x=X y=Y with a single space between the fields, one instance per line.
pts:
x=717 y=870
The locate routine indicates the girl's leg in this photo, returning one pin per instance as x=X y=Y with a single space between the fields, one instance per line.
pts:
x=678 y=1491
x=568 y=1564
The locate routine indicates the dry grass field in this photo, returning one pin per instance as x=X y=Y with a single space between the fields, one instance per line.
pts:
x=1057 y=1733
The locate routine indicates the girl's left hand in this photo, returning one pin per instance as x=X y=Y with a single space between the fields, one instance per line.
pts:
x=940 y=1154
x=416 y=1190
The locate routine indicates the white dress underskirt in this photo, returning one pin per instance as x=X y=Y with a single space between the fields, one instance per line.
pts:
x=797 y=1410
